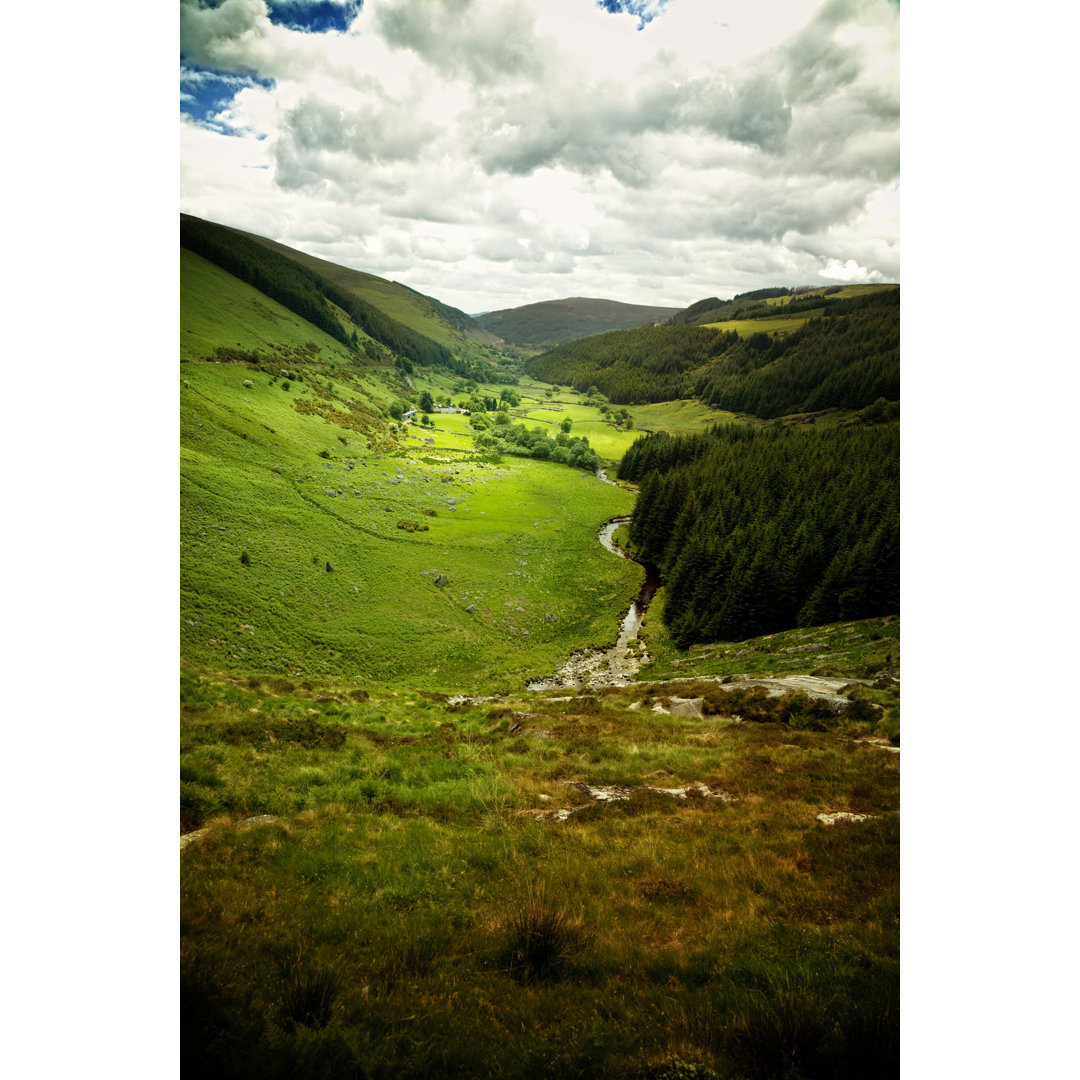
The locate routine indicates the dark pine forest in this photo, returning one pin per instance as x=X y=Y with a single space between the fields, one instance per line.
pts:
x=762 y=529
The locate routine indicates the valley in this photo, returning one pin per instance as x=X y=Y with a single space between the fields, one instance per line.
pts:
x=459 y=794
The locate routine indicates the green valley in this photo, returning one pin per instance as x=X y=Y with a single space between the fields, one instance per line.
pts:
x=398 y=860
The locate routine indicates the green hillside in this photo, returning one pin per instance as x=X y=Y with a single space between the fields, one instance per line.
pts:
x=553 y=322
x=844 y=356
x=797 y=305
x=220 y=312
x=440 y=322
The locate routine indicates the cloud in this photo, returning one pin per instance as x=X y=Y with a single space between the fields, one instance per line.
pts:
x=487 y=42
x=850 y=272
x=488 y=148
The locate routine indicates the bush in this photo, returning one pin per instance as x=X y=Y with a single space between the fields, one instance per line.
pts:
x=245 y=559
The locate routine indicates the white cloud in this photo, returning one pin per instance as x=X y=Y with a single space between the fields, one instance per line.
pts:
x=850 y=272
x=497 y=152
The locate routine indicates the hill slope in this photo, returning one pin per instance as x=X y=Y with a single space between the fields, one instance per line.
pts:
x=447 y=325
x=771 y=304
x=309 y=288
x=847 y=358
x=553 y=322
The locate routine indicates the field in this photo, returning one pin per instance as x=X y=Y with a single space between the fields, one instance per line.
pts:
x=779 y=325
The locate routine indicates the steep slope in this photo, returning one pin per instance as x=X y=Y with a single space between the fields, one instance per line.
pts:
x=341 y=313
x=553 y=322
x=222 y=317
x=447 y=325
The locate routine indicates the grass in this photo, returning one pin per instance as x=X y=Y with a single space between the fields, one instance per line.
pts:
x=217 y=309
x=779 y=325
x=412 y=880
x=252 y=480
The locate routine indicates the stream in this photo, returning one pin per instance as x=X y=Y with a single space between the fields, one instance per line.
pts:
x=617 y=665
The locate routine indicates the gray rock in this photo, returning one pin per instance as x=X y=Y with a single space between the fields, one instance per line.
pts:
x=686 y=706
x=442 y=580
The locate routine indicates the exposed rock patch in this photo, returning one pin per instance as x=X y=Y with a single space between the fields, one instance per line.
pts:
x=841 y=817
x=607 y=793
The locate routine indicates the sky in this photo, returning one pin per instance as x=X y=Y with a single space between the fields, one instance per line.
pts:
x=493 y=153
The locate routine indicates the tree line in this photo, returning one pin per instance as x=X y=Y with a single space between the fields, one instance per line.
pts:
x=757 y=530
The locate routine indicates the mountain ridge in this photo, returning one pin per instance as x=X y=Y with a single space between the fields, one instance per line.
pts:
x=554 y=322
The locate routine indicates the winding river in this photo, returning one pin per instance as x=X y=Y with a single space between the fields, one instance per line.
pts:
x=618 y=665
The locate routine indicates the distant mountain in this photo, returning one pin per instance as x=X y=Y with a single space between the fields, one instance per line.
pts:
x=553 y=322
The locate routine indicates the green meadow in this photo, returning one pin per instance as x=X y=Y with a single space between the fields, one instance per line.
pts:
x=297 y=494
x=779 y=325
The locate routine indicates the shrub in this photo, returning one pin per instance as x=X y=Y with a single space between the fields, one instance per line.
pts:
x=248 y=384
x=285 y=385
x=324 y=453
x=245 y=559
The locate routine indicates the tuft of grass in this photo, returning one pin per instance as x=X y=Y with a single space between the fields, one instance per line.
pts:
x=542 y=940
x=308 y=996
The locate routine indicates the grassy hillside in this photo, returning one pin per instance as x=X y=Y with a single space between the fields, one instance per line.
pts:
x=778 y=325
x=426 y=315
x=553 y=322
x=374 y=871
x=265 y=473
x=219 y=311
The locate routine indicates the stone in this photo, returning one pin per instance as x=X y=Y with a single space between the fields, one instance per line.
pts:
x=841 y=817
x=686 y=706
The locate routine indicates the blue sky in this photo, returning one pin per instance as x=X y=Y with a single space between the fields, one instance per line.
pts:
x=317 y=17
x=500 y=152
